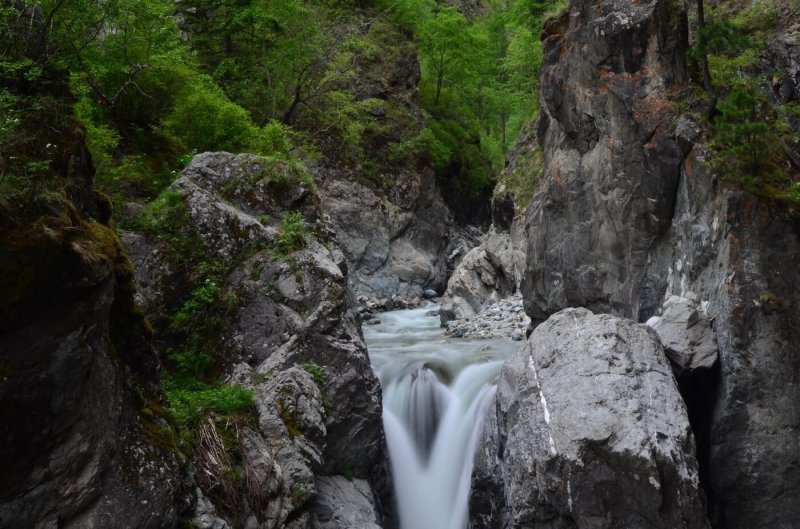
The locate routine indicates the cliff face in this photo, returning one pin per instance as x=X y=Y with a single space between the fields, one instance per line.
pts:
x=611 y=166
x=737 y=253
x=629 y=215
x=84 y=441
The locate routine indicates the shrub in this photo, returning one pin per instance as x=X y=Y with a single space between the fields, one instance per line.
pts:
x=188 y=407
x=204 y=119
x=315 y=371
x=292 y=235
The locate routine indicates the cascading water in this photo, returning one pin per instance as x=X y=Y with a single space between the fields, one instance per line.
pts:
x=435 y=394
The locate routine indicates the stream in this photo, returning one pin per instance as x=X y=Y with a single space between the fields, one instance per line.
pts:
x=436 y=391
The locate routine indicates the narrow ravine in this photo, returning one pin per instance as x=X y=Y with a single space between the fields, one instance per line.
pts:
x=436 y=391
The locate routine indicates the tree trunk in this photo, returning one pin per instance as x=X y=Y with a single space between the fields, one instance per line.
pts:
x=709 y=86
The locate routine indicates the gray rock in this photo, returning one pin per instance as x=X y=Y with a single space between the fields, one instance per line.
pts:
x=611 y=165
x=394 y=245
x=205 y=514
x=686 y=334
x=589 y=431
x=294 y=338
x=343 y=504
x=430 y=294
x=687 y=132
x=487 y=273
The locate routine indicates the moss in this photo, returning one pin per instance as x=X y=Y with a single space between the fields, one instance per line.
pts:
x=299 y=494
x=771 y=303
x=316 y=372
x=288 y=419
x=105 y=207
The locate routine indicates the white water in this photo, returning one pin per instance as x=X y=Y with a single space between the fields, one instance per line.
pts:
x=436 y=391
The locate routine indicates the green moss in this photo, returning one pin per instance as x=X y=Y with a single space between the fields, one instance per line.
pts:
x=288 y=420
x=315 y=371
x=299 y=495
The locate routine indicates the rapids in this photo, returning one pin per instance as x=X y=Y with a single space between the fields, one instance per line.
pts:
x=436 y=391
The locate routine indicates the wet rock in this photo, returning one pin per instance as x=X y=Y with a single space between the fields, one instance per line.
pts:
x=594 y=433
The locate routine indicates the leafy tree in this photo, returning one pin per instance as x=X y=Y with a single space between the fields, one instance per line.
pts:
x=446 y=48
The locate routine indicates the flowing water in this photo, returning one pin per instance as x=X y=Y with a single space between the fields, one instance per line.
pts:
x=436 y=391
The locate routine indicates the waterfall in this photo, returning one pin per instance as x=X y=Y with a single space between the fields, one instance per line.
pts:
x=436 y=392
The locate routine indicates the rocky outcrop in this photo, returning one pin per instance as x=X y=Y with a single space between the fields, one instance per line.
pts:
x=487 y=274
x=293 y=339
x=629 y=215
x=611 y=165
x=589 y=430
x=394 y=245
x=84 y=441
x=736 y=253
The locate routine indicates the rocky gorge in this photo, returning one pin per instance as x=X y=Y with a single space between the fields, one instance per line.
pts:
x=653 y=306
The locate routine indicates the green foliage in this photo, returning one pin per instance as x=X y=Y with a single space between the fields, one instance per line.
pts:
x=751 y=135
x=206 y=120
x=188 y=407
x=315 y=371
x=746 y=140
x=479 y=84
x=292 y=235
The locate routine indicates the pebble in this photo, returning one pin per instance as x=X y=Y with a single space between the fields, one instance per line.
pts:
x=504 y=319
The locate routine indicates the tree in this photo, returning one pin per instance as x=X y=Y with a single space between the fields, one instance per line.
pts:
x=445 y=47
x=746 y=141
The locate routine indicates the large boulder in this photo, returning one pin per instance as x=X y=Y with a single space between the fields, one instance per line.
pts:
x=589 y=430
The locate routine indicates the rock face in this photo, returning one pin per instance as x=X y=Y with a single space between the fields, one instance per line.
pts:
x=488 y=273
x=294 y=340
x=629 y=216
x=80 y=443
x=611 y=165
x=589 y=430
x=686 y=334
x=394 y=245
x=737 y=253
